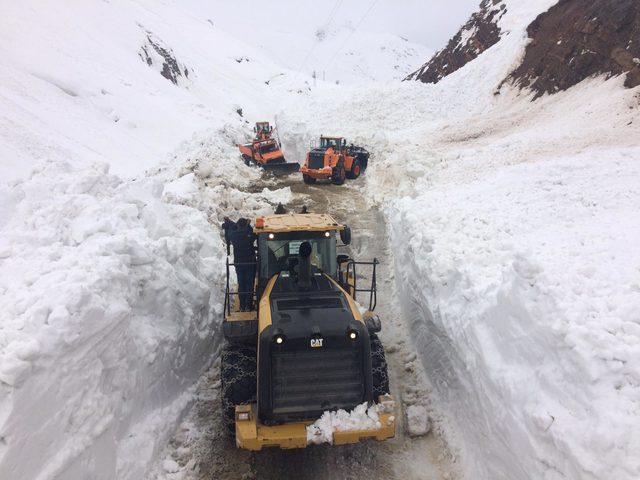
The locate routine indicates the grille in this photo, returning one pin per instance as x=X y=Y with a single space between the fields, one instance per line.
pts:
x=312 y=381
x=302 y=303
x=316 y=160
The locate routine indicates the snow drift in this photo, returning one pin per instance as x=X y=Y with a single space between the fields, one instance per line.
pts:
x=523 y=291
x=100 y=281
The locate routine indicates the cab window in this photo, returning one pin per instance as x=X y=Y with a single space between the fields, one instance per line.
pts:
x=330 y=142
x=282 y=253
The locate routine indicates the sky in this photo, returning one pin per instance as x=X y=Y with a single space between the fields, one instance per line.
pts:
x=429 y=22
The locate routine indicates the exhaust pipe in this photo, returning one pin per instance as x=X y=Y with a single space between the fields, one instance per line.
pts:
x=304 y=266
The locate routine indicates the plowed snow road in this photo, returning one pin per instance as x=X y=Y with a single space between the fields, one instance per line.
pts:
x=200 y=449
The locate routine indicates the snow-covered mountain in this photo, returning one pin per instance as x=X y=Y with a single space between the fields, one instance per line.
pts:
x=513 y=223
x=333 y=40
x=570 y=42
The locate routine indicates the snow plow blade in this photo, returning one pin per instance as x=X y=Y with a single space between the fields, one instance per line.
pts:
x=252 y=435
x=281 y=166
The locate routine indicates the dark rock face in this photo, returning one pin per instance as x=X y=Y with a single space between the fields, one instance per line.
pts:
x=155 y=52
x=576 y=39
x=477 y=35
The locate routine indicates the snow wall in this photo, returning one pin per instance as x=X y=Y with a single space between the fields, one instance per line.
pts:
x=101 y=280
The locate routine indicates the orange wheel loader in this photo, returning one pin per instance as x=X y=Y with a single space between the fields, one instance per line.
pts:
x=264 y=150
x=335 y=161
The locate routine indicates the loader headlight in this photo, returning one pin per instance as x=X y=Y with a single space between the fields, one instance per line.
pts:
x=352 y=334
x=327 y=234
x=278 y=339
x=271 y=236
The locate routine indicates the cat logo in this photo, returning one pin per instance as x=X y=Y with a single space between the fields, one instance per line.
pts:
x=316 y=343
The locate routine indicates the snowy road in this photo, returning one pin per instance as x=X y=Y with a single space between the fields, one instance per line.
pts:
x=200 y=450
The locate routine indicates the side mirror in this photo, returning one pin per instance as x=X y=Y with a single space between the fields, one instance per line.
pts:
x=372 y=322
x=345 y=235
x=343 y=259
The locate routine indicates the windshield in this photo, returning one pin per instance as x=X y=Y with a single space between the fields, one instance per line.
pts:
x=281 y=253
x=330 y=142
x=268 y=148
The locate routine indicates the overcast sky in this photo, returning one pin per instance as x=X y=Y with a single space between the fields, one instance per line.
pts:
x=430 y=22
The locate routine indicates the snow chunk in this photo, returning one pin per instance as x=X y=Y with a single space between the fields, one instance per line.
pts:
x=184 y=188
x=169 y=465
x=418 y=423
x=360 y=418
x=281 y=195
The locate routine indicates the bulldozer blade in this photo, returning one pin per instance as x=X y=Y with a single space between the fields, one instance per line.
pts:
x=281 y=167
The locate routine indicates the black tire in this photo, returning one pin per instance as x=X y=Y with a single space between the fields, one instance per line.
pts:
x=237 y=381
x=356 y=170
x=378 y=368
x=339 y=175
x=307 y=179
x=247 y=160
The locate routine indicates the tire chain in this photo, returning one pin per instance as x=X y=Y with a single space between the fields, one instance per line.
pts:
x=238 y=380
x=378 y=368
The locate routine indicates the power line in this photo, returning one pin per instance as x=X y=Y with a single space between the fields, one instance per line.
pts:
x=373 y=4
x=334 y=10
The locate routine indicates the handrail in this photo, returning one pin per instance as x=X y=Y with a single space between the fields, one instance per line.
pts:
x=228 y=292
x=373 y=289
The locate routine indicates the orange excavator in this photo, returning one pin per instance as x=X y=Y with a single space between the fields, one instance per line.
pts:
x=265 y=151
x=334 y=160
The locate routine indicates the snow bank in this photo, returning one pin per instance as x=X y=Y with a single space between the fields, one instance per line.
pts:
x=523 y=291
x=106 y=292
x=206 y=173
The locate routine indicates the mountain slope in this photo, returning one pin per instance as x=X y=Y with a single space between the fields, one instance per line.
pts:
x=573 y=41
x=570 y=42
x=477 y=35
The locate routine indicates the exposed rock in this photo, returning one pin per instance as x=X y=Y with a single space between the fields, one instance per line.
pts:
x=476 y=36
x=155 y=53
x=575 y=40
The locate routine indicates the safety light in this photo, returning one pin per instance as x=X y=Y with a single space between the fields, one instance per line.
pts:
x=271 y=236
x=327 y=234
x=243 y=416
x=260 y=222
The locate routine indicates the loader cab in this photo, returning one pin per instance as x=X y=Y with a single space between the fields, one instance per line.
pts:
x=280 y=252
x=262 y=130
x=332 y=142
x=267 y=147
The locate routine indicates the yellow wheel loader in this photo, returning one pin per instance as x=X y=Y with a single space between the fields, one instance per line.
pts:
x=307 y=347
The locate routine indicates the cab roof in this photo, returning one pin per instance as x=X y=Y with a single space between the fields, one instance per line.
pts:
x=296 y=222
x=328 y=137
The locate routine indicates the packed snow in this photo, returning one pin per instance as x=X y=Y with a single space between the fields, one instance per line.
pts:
x=363 y=417
x=418 y=423
x=100 y=281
